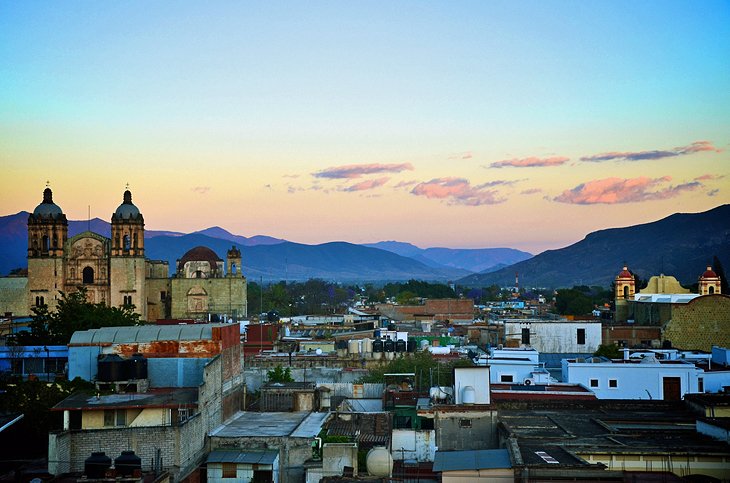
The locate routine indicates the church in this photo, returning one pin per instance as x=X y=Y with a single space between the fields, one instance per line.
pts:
x=115 y=272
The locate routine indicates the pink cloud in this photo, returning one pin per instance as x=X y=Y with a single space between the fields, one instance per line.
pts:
x=201 y=190
x=406 y=184
x=618 y=190
x=357 y=170
x=457 y=191
x=531 y=191
x=709 y=177
x=531 y=162
x=695 y=147
x=367 y=184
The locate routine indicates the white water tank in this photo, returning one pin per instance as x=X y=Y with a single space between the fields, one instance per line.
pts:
x=468 y=395
x=353 y=346
x=379 y=462
x=367 y=345
x=439 y=393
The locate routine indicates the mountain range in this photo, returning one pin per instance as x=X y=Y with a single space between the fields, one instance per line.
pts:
x=275 y=259
x=681 y=245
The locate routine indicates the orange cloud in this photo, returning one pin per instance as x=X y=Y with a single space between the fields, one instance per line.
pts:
x=695 y=147
x=618 y=190
x=201 y=190
x=709 y=177
x=531 y=162
x=357 y=170
x=367 y=184
x=458 y=191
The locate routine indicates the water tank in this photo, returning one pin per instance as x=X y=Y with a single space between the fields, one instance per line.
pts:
x=341 y=344
x=424 y=344
x=379 y=462
x=96 y=465
x=439 y=393
x=137 y=367
x=367 y=345
x=111 y=368
x=353 y=346
x=389 y=345
x=468 y=395
x=126 y=463
x=378 y=345
x=411 y=345
x=400 y=345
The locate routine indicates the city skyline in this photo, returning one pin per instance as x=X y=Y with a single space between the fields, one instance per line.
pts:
x=463 y=125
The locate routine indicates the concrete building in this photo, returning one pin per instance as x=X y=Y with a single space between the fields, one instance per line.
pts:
x=548 y=336
x=451 y=310
x=289 y=434
x=175 y=354
x=647 y=378
x=114 y=271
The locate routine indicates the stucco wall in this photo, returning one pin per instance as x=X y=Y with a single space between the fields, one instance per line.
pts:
x=557 y=337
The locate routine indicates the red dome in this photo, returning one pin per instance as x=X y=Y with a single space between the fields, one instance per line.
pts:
x=625 y=273
x=709 y=273
x=199 y=254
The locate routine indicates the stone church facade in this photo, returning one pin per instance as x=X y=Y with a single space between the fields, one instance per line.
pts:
x=114 y=271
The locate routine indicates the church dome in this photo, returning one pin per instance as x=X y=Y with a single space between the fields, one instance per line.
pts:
x=48 y=208
x=200 y=254
x=625 y=273
x=709 y=273
x=127 y=210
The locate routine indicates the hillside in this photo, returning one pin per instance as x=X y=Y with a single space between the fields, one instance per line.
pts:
x=680 y=245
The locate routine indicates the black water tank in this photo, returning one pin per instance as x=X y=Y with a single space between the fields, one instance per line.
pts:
x=400 y=345
x=111 y=368
x=378 y=345
x=126 y=463
x=137 y=367
x=389 y=346
x=411 y=346
x=96 y=465
x=341 y=344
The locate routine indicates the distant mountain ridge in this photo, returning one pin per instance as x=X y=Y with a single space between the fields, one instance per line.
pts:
x=472 y=259
x=681 y=245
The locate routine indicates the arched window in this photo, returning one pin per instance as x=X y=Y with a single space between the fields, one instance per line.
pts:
x=43 y=302
x=127 y=300
x=126 y=243
x=37 y=301
x=88 y=275
x=711 y=290
x=626 y=291
x=134 y=240
x=45 y=243
x=233 y=268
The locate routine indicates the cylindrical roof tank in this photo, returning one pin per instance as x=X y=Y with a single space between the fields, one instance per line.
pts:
x=367 y=345
x=378 y=345
x=424 y=344
x=126 y=463
x=353 y=346
x=379 y=462
x=96 y=465
x=468 y=395
x=111 y=368
x=400 y=345
x=137 y=367
x=411 y=345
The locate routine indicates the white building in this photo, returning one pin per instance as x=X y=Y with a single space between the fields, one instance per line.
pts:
x=647 y=378
x=513 y=365
x=554 y=336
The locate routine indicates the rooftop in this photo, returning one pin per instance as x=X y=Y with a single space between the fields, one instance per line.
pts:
x=485 y=459
x=154 y=398
x=143 y=333
x=271 y=424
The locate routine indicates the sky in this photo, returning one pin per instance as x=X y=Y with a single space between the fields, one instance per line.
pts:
x=456 y=124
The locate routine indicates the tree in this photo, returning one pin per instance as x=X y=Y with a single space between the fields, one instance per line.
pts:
x=72 y=314
x=279 y=374
x=573 y=302
x=717 y=267
x=608 y=350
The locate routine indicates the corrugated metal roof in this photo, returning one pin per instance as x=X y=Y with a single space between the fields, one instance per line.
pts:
x=485 y=459
x=144 y=333
x=244 y=457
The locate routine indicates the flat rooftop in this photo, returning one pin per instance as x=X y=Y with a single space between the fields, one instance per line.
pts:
x=271 y=424
x=154 y=398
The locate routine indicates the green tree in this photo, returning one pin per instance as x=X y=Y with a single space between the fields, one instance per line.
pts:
x=279 y=374
x=74 y=313
x=608 y=350
x=420 y=363
x=573 y=302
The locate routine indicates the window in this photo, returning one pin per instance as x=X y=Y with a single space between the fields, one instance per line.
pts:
x=402 y=422
x=46 y=243
x=229 y=470
x=526 y=336
x=594 y=383
x=626 y=291
x=581 y=336
x=163 y=296
x=613 y=383
x=88 y=275
x=700 y=384
x=465 y=423
x=115 y=417
x=712 y=290
x=127 y=300
x=127 y=243
x=506 y=378
x=427 y=423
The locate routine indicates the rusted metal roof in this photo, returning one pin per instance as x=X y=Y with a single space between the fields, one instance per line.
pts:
x=143 y=333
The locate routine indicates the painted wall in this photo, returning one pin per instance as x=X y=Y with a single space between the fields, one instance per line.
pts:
x=244 y=472
x=412 y=444
x=556 y=337
x=634 y=381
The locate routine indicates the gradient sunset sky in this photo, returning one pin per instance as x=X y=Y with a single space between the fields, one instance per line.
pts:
x=458 y=124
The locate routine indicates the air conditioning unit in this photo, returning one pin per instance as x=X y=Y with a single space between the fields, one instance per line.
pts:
x=529 y=381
